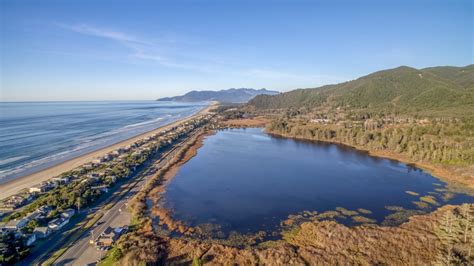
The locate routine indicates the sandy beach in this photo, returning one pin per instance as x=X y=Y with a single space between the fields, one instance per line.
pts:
x=12 y=187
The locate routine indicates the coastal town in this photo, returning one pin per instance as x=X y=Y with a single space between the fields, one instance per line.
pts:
x=42 y=210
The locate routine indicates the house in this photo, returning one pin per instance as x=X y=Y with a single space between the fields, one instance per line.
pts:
x=12 y=203
x=52 y=184
x=43 y=187
x=68 y=213
x=88 y=166
x=33 y=215
x=109 y=236
x=97 y=161
x=103 y=188
x=41 y=232
x=57 y=223
x=15 y=225
x=62 y=180
x=91 y=178
x=44 y=210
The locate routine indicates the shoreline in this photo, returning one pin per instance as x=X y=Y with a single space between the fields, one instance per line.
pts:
x=12 y=187
x=156 y=193
x=436 y=171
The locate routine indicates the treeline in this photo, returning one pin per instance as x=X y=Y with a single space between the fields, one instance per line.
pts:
x=446 y=143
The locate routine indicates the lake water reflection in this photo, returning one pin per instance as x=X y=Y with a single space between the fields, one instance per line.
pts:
x=246 y=180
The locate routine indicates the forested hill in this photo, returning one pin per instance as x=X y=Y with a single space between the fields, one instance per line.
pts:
x=241 y=95
x=404 y=89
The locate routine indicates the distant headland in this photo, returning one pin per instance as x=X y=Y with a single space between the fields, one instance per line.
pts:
x=241 y=95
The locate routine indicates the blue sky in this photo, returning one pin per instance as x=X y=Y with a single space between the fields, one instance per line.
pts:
x=119 y=50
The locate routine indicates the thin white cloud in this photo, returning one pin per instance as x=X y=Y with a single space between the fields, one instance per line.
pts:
x=103 y=33
x=139 y=47
x=161 y=53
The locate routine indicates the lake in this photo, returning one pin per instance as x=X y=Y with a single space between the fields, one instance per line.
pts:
x=245 y=180
x=37 y=135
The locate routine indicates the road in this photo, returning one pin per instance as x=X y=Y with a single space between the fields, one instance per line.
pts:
x=84 y=253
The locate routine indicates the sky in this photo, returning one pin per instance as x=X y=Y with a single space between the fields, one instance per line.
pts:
x=143 y=50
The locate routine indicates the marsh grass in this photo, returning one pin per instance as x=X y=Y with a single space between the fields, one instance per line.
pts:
x=346 y=212
x=447 y=196
x=394 y=208
x=364 y=211
x=329 y=215
x=289 y=234
x=412 y=193
x=400 y=217
x=429 y=199
x=421 y=204
x=362 y=219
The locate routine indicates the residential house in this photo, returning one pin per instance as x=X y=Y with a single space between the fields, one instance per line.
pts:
x=62 y=180
x=41 y=232
x=109 y=236
x=43 y=187
x=15 y=225
x=57 y=223
x=44 y=210
x=98 y=160
x=103 y=188
x=68 y=213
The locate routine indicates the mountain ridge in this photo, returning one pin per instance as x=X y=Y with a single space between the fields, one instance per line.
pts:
x=233 y=95
x=401 y=89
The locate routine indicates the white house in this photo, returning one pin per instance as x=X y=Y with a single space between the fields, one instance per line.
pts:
x=68 y=213
x=41 y=232
x=57 y=223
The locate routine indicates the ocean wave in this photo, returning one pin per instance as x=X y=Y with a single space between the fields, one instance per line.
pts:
x=86 y=145
x=11 y=160
x=147 y=122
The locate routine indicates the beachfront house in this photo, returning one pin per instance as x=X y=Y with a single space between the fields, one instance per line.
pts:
x=41 y=232
x=91 y=178
x=98 y=160
x=102 y=188
x=68 y=213
x=15 y=225
x=44 y=210
x=117 y=152
x=57 y=223
x=64 y=180
x=88 y=166
x=43 y=187
x=33 y=215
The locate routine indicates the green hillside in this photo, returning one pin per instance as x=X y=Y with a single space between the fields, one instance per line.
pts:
x=448 y=90
x=462 y=76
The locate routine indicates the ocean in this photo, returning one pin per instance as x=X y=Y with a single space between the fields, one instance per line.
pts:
x=38 y=135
